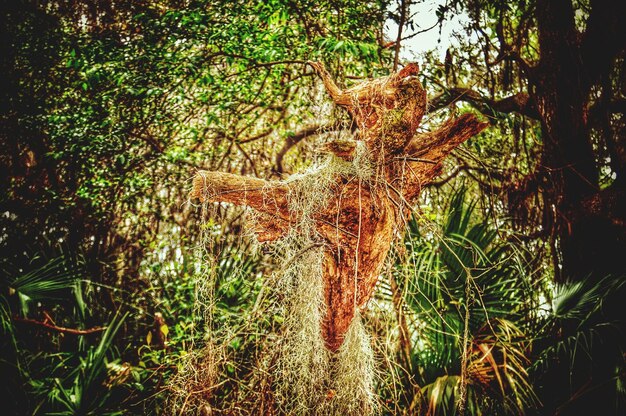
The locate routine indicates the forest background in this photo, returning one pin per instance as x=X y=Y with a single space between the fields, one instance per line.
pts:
x=504 y=297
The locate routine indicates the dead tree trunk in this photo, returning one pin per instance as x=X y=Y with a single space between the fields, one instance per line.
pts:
x=362 y=217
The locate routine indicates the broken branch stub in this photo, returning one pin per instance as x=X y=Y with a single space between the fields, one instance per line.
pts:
x=362 y=216
x=386 y=110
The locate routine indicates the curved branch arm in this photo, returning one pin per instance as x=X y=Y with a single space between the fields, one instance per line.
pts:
x=426 y=151
x=291 y=141
x=437 y=144
x=336 y=93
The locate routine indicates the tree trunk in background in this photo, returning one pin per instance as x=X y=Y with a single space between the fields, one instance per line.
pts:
x=588 y=222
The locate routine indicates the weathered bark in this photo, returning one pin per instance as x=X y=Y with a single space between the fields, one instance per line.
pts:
x=358 y=224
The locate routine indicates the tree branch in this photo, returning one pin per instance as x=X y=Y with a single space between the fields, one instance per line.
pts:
x=434 y=146
x=506 y=49
x=263 y=196
x=336 y=93
x=404 y=5
x=60 y=329
x=518 y=103
x=293 y=140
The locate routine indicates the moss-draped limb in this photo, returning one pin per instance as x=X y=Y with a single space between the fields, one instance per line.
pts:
x=354 y=206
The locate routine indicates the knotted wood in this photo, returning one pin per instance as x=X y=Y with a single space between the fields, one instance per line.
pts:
x=360 y=221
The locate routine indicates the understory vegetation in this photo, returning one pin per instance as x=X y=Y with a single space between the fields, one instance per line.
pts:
x=119 y=294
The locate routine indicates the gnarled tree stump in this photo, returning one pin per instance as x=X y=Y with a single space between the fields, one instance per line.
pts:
x=358 y=224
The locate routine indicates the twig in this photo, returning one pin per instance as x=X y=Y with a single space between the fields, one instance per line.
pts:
x=417 y=159
x=404 y=5
x=60 y=329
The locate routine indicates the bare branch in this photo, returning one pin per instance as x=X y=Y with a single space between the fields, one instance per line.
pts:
x=336 y=93
x=433 y=147
x=60 y=329
x=404 y=6
x=293 y=140
x=506 y=50
x=517 y=103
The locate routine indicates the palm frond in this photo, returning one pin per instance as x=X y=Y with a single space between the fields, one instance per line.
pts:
x=466 y=267
x=53 y=280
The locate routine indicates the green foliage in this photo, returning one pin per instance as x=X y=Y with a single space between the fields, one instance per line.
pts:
x=51 y=281
x=586 y=345
x=465 y=299
x=110 y=110
x=58 y=381
x=82 y=382
x=106 y=110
